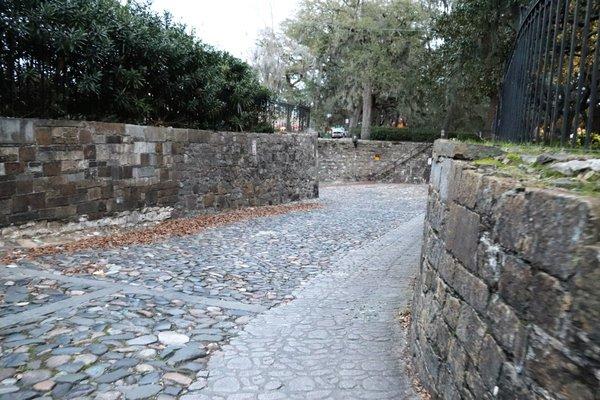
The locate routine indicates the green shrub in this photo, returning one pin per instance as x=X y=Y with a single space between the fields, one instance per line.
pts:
x=111 y=60
x=412 y=134
x=400 y=134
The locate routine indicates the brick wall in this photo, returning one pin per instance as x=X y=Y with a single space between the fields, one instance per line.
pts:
x=399 y=162
x=507 y=302
x=54 y=170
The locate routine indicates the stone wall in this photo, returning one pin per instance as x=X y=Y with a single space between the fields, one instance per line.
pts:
x=399 y=162
x=507 y=303
x=61 y=170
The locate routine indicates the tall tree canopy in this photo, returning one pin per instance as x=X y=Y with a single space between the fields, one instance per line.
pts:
x=435 y=63
x=105 y=60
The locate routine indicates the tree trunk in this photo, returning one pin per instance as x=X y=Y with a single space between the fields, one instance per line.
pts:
x=365 y=129
x=355 y=116
x=491 y=114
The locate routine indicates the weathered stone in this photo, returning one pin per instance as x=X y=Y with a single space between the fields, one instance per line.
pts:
x=29 y=378
x=113 y=376
x=340 y=161
x=140 y=391
x=470 y=330
x=575 y=166
x=464 y=151
x=514 y=283
x=190 y=352
x=549 y=304
x=83 y=166
x=177 y=378
x=69 y=378
x=506 y=328
x=586 y=300
x=531 y=297
x=511 y=385
x=171 y=338
x=44 y=386
x=462 y=235
x=545 y=226
x=550 y=367
x=471 y=288
x=490 y=362
x=142 y=340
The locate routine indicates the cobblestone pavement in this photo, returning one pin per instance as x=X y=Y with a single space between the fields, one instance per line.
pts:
x=167 y=320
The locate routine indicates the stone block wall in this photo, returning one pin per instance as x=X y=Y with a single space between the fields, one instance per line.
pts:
x=398 y=162
x=507 y=302
x=61 y=170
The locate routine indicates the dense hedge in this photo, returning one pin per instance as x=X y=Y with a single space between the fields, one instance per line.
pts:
x=410 y=134
x=103 y=60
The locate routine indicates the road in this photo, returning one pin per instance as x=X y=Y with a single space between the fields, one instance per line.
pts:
x=296 y=306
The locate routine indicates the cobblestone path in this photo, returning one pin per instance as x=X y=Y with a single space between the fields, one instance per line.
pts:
x=195 y=317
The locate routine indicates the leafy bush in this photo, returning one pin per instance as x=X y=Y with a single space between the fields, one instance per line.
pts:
x=400 y=135
x=412 y=134
x=104 y=60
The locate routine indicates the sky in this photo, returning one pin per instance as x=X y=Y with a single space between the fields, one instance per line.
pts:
x=231 y=25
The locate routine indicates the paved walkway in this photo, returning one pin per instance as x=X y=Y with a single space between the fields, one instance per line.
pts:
x=340 y=337
x=301 y=305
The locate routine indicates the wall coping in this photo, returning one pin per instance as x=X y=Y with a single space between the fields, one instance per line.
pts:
x=10 y=126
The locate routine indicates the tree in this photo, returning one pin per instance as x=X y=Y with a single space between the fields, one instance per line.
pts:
x=476 y=38
x=365 y=47
x=283 y=65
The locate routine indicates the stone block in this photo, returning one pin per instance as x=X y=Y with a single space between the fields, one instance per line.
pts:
x=472 y=289
x=586 y=302
x=474 y=383
x=549 y=304
x=462 y=235
x=17 y=131
x=511 y=385
x=470 y=330
x=441 y=171
x=446 y=386
x=89 y=152
x=447 y=268
x=451 y=311
x=550 y=367
x=51 y=168
x=9 y=154
x=514 y=283
x=143 y=172
x=14 y=168
x=26 y=154
x=433 y=249
x=490 y=362
x=24 y=186
x=546 y=227
x=436 y=212
x=43 y=136
x=64 y=135
x=86 y=136
x=506 y=328
x=135 y=131
x=464 y=151
x=465 y=186
x=456 y=361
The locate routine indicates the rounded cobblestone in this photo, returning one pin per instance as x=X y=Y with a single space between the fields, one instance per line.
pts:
x=135 y=320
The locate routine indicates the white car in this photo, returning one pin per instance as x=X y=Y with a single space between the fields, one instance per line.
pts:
x=338 y=132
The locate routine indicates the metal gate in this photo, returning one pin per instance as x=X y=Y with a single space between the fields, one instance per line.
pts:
x=550 y=88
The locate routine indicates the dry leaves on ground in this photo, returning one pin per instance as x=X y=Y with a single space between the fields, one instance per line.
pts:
x=165 y=229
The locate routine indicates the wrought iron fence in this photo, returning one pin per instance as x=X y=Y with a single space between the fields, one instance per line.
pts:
x=289 y=117
x=550 y=88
